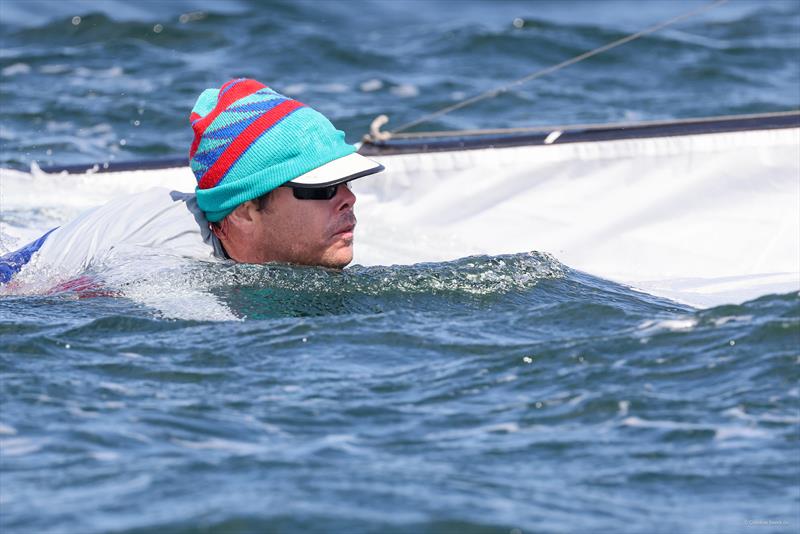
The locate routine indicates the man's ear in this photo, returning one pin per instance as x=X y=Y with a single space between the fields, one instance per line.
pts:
x=243 y=214
x=240 y=217
x=219 y=229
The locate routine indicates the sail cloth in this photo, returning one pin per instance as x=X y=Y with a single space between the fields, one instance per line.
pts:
x=705 y=219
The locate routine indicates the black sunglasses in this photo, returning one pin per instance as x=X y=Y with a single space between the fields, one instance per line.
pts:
x=316 y=193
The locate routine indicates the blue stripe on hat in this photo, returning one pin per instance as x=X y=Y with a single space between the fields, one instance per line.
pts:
x=231 y=131
x=259 y=106
x=209 y=157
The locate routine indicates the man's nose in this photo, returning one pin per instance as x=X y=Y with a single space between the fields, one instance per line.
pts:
x=345 y=198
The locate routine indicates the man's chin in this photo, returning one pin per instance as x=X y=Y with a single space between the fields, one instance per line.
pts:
x=338 y=259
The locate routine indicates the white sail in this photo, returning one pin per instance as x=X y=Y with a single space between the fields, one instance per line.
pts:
x=705 y=219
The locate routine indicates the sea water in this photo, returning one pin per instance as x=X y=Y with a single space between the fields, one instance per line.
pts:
x=486 y=394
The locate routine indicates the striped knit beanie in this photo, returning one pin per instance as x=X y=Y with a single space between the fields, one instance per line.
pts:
x=248 y=140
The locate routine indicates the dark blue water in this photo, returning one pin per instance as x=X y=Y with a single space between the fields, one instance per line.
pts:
x=475 y=396
x=484 y=395
x=118 y=81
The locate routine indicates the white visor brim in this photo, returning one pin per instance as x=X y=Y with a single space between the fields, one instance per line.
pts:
x=337 y=171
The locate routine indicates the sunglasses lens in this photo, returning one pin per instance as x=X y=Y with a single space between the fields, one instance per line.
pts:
x=317 y=193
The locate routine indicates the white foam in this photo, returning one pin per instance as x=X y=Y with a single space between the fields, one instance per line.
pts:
x=111 y=72
x=340 y=442
x=506 y=378
x=294 y=89
x=405 y=90
x=456 y=434
x=116 y=388
x=332 y=88
x=236 y=447
x=772 y=418
x=739 y=432
x=56 y=68
x=77 y=411
x=651 y=327
x=173 y=301
x=721 y=432
x=104 y=456
x=16 y=68
x=373 y=84
x=739 y=413
x=504 y=428
x=638 y=422
x=719 y=321
x=18 y=446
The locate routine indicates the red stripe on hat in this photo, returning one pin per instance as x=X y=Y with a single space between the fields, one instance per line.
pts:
x=216 y=172
x=228 y=84
x=240 y=90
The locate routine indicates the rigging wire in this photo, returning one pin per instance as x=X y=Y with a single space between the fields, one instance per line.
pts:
x=553 y=68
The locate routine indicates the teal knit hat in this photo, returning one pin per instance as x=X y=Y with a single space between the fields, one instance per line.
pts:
x=248 y=140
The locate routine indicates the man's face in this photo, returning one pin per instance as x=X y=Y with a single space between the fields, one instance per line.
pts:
x=306 y=232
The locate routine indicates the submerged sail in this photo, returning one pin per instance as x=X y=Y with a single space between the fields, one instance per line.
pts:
x=704 y=217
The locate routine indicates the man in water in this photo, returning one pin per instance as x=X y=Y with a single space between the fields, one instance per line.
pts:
x=272 y=186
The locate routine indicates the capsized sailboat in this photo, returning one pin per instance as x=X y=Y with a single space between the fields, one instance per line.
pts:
x=703 y=211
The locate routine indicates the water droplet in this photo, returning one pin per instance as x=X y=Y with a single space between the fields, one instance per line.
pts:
x=76 y=20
